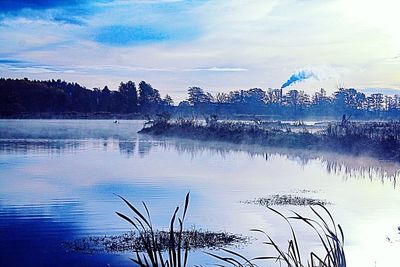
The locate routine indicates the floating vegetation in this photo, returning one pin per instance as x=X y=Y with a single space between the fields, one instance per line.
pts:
x=286 y=199
x=132 y=241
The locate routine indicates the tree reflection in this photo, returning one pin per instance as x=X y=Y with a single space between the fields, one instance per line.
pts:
x=17 y=146
x=338 y=164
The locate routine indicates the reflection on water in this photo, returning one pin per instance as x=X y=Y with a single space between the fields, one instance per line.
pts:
x=31 y=146
x=345 y=165
x=58 y=179
x=127 y=147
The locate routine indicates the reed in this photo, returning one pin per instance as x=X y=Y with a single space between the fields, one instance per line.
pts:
x=329 y=233
x=153 y=256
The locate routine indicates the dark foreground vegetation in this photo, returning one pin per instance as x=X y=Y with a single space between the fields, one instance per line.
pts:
x=23 y=98
x=375 y=139
x=134 y=241
x=178 y=247
x=174 y=252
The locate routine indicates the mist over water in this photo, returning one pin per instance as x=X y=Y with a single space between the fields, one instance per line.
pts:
x=58 y=179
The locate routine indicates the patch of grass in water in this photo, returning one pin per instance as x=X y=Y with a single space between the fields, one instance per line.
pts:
x=286 y=199
x=132 y=241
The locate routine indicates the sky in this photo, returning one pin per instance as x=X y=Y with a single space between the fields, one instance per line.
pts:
x=219 y=45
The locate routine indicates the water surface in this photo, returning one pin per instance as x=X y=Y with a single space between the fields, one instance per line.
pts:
x=58 y=180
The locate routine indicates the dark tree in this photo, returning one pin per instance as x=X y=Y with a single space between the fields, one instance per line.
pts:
x=129 y=96
x=197 y=96
x=149 y=98
x=168 y=100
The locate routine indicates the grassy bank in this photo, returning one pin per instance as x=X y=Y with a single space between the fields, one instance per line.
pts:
x=375 y=139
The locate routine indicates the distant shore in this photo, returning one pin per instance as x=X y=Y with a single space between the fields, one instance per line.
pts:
x=374 y=139
x=141 y=116
x=77 y=116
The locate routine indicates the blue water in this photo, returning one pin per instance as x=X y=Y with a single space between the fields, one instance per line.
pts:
x=58 y=181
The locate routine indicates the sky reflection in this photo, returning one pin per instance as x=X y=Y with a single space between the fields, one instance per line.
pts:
x=64 y=191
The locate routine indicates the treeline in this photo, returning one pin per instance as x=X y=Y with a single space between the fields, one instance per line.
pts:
x=23 y=96
x=291 y=104
x=19 y=97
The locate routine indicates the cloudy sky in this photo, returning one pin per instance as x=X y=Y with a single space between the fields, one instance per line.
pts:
x=219 y=45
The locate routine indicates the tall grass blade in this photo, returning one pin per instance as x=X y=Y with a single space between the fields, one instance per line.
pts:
x=152 y=255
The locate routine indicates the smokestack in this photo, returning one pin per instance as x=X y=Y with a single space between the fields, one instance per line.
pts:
x=298 y=77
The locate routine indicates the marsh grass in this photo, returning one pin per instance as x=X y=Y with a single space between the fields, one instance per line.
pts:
x=329 y=234
x=178 y=248
x=376 y=139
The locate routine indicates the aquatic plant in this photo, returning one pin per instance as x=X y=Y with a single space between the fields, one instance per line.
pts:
x=329 y=233
x=133 y=241
x=178 y=248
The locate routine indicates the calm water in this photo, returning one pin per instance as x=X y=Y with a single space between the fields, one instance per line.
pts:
x=58 y=180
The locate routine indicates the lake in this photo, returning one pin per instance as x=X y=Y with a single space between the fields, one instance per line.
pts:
x=59 y=180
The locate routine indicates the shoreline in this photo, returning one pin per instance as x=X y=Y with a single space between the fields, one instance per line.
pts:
x=355 y=138
x=90 y=116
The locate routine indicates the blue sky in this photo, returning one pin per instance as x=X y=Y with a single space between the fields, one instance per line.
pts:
x=220 y=45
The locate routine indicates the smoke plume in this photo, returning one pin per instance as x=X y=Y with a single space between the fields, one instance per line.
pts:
x=298 y=77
